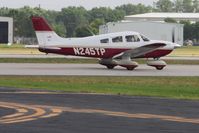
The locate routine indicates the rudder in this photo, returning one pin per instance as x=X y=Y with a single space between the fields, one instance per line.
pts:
x=45 y=35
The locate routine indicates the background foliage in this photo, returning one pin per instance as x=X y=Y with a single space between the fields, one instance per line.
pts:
x=79 y=22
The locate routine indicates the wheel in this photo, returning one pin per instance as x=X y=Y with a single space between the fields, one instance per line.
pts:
x=159 y=67
x=110 y=66
x=130 y=68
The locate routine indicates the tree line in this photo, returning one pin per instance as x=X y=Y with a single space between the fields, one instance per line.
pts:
x=70 y=21
x=191 y=30
x=177 y=6
x=79 y=22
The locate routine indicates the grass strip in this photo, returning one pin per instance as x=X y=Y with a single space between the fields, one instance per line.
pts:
x=169 y=87
x=20 y=49
x=47 y=60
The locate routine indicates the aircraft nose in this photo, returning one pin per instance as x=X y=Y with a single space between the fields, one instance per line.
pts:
x=176 y=45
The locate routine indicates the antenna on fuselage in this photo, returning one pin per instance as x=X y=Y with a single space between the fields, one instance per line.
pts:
x=89 y=29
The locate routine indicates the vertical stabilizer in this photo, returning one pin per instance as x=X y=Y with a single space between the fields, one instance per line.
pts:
x=45 y=35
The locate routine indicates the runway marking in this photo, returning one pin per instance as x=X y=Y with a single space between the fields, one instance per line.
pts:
x=20 y=113
x=127 y=115
x=24 y=114
x=38 y=112
x=139 y=115
x=56 y=112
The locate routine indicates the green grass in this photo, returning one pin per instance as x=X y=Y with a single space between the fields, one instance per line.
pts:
x=20 y=49
x=11 y=46
x=186 y=51
x=46 y=60
x=169 y=87
x=17 y=49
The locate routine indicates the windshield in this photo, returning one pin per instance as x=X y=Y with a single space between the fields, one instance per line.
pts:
x=144 y=38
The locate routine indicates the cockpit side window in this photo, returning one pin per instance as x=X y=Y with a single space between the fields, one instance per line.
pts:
x=129 y=39
x=117 y=39
x=132 y=38
x=104 y=40
x=144 y=38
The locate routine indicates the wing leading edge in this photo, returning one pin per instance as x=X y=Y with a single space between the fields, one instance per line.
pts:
x=140 y=51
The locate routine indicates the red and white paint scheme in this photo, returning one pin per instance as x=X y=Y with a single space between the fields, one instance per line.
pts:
x=113 y=49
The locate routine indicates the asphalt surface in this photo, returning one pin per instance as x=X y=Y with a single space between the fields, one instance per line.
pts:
x=94 y=70
x=76 y=57
x=56 y=112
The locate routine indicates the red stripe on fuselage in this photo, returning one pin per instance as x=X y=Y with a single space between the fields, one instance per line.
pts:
x=109 y=52
x=92 y=52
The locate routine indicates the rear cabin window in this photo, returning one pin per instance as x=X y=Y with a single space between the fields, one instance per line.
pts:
x=132 y=38
x=104 y=40
x=117 y=39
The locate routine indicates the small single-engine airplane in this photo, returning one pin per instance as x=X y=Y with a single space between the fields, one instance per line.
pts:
x=113 y=49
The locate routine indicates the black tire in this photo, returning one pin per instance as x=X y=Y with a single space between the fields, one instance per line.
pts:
x=159 y=67
x=110 y=66
x=130 y=68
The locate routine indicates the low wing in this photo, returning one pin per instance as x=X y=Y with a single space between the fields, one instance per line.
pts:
x=140 y=51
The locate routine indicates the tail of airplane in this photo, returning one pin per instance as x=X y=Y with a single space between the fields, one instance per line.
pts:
x=45 y=34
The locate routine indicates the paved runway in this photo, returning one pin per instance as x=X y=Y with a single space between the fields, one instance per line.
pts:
x=76 y=57
x=94 y=70
x=55 y=112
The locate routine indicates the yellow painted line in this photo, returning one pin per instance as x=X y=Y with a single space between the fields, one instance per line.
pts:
x=4 y=105
x=136 y=115
x=126 y=115
x=55 y=112
x=20 y=113
x=19 y=121
x=38 y=112
x=11 y=116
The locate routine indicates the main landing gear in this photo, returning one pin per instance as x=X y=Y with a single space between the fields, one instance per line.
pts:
x=110 y=64
x=128 y=64
x=131 y=65
x=158 y=64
